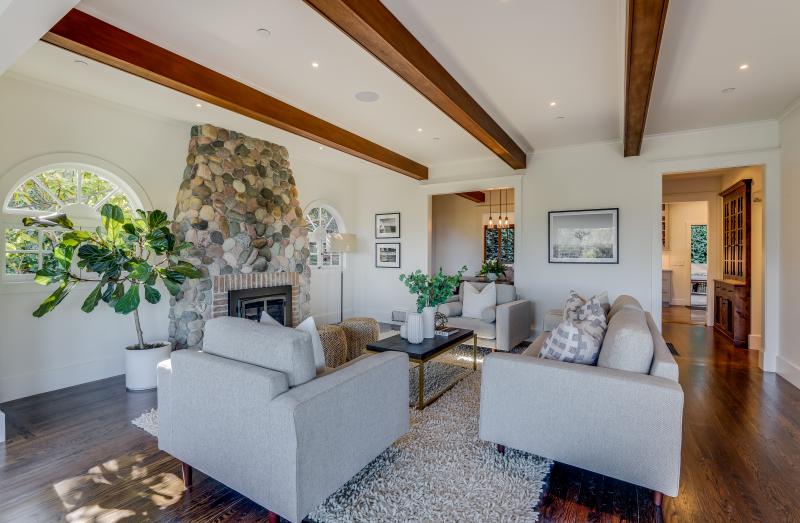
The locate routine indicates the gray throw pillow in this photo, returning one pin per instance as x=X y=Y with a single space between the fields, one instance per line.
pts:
x=489 y=314
x=573 y=342
x=628 y=343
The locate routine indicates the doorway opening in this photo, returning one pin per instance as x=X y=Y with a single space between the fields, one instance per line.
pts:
x=698 y=247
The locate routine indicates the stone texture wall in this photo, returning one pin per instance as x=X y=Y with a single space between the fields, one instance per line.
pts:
x=238 y=203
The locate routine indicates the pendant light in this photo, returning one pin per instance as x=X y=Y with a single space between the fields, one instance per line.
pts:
x=491 y=223
x=506 y=209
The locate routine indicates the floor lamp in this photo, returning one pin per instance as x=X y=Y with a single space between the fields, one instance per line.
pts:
x=342 y=243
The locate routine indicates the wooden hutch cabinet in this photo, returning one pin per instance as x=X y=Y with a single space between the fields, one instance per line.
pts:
x=732 y=292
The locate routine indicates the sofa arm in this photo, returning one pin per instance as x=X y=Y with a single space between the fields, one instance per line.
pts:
x=333 y=426
x=621 y=424
x=164 y=402
x=513 y=322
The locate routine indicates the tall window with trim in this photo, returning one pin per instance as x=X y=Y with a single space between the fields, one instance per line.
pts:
x=320 y=218
x=70 y=188
x=498 y=244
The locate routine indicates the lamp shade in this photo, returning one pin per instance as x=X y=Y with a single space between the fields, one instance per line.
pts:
x=343 y=242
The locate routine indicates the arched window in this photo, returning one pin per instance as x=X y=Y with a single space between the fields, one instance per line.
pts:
x=323 y=220
x=78 y=190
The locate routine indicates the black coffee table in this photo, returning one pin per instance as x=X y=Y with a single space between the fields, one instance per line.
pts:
x=427 y=350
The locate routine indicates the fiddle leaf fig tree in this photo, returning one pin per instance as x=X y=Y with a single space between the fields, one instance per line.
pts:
x=124 y=257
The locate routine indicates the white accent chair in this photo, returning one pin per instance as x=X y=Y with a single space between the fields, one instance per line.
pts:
x=622 y=424
x=502 y=327
x=251 y=411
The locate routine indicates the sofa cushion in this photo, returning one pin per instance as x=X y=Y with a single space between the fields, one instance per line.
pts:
x=628 y=344
x=310 y=326
x=624 y=301
x=505 y=293
x=572 y=342
x=451 y=309
x=286 y=350
x=489 y=314
x=482 y=329
x=535 y=348
x=475 y=301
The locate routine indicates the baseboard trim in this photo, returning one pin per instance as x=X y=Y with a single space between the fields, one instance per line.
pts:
x=788 y=371
x=755 y=342
x=46 y=380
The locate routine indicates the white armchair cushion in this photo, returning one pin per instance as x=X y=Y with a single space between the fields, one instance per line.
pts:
x=475 y=301
x=505 y=293
x=451 y=309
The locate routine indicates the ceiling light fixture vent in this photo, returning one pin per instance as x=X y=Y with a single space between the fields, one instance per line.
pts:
x=728 y=90
x=367 y=96
x=263 y=32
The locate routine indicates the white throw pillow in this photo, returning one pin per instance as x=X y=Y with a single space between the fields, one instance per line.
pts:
x=308 y=325
x=475 y=301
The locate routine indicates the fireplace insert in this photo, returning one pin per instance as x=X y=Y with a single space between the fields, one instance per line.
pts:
x=250 y=303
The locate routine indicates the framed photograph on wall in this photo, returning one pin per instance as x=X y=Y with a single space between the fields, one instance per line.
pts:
x=387 y=255
x=586 y=236
x=387 y=225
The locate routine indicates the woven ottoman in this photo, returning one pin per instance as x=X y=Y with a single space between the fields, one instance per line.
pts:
x=359 y=332
x=334 y=345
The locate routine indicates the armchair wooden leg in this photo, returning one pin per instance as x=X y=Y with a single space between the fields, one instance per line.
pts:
x=186 y=470
x=501 y=449
x=658 y=497
x=273 y=517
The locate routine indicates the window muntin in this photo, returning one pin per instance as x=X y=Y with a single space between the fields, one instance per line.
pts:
x=325 y=217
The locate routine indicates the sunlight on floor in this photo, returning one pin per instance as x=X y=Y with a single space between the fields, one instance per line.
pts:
x=160 y=490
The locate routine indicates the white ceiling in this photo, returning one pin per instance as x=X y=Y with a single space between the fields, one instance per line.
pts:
x=513 y=56
x=703 y=45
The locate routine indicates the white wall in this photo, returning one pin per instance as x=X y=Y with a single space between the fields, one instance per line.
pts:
x=789 y=354
x=457 y=236
x=682 y=216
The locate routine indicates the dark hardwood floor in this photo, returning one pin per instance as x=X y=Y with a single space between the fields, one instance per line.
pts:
x=72 y=455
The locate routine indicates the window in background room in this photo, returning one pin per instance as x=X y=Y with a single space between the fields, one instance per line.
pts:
x=323 y=218
x=498 y=244
x=59 y=189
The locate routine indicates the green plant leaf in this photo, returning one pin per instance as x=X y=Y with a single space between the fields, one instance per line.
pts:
x=74 y=238
x=52 y=220
x=112 y=218
x=54 y=299
x=47 y=276
x=108 y=293
x=187 y=269
x=156 y=219
x=92 y=299
x=141 y=271
x=158 y=240
x=63 y=255
x=151 y=294
x=129 y=301
x=173 y=286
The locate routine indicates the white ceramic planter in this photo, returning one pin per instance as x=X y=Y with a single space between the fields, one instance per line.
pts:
x=415 y=328
x=429 y=321
x=140 y=366
x=403 y=331
x=491 y=276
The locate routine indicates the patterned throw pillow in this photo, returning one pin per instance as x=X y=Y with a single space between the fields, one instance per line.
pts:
x=574 y=342
x=579 y=308
x=571 y=306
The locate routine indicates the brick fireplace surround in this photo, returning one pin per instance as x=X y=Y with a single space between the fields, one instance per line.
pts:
x=254 y=280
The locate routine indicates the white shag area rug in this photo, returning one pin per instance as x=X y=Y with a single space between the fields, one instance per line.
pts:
x=439 y=471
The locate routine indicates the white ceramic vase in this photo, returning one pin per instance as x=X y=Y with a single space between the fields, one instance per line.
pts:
x=415 y=329
x=140 y=365
x=429 y=321
x=403 y=331
x=491 y=276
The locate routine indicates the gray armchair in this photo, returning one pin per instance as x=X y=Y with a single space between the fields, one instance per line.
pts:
x=251 y=411
x=501 y=327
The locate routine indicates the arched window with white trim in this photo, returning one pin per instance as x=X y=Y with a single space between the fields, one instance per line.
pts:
x=78 y=190
x=323 y=220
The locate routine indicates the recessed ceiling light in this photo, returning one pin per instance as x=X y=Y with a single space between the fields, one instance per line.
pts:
x=81 y=62
x=436 y=138
x=553 y=103
x=320 y=147
x=314 y=65
x=263 y=32
x=560 y=117
x=728 y=90
x=744 y=66
x=419 y=129
x=367 y=96
x=198 y=105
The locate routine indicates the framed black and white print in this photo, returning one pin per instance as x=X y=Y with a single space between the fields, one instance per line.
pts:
x=387 y=255
x=585 y=236
x=387 y=225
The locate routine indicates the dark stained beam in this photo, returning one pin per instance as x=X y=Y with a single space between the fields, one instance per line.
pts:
x=473 y=196
x=91 y=37
x=645 y=27
x=377 y=30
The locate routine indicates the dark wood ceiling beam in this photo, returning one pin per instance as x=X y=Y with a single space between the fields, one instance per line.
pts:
x=93 y=38
x=473 y=196
x=645 y=27
x=377 y=30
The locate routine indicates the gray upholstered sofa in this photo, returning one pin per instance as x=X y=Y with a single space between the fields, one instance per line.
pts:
x=502 y=327
x=251 y=411
x=622 y=424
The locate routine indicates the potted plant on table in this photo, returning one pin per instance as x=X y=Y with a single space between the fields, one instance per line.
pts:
x=122 y=257
x=431 y=292
x=493 y=269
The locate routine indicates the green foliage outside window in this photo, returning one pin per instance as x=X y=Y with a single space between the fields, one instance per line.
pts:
x=699 y=244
